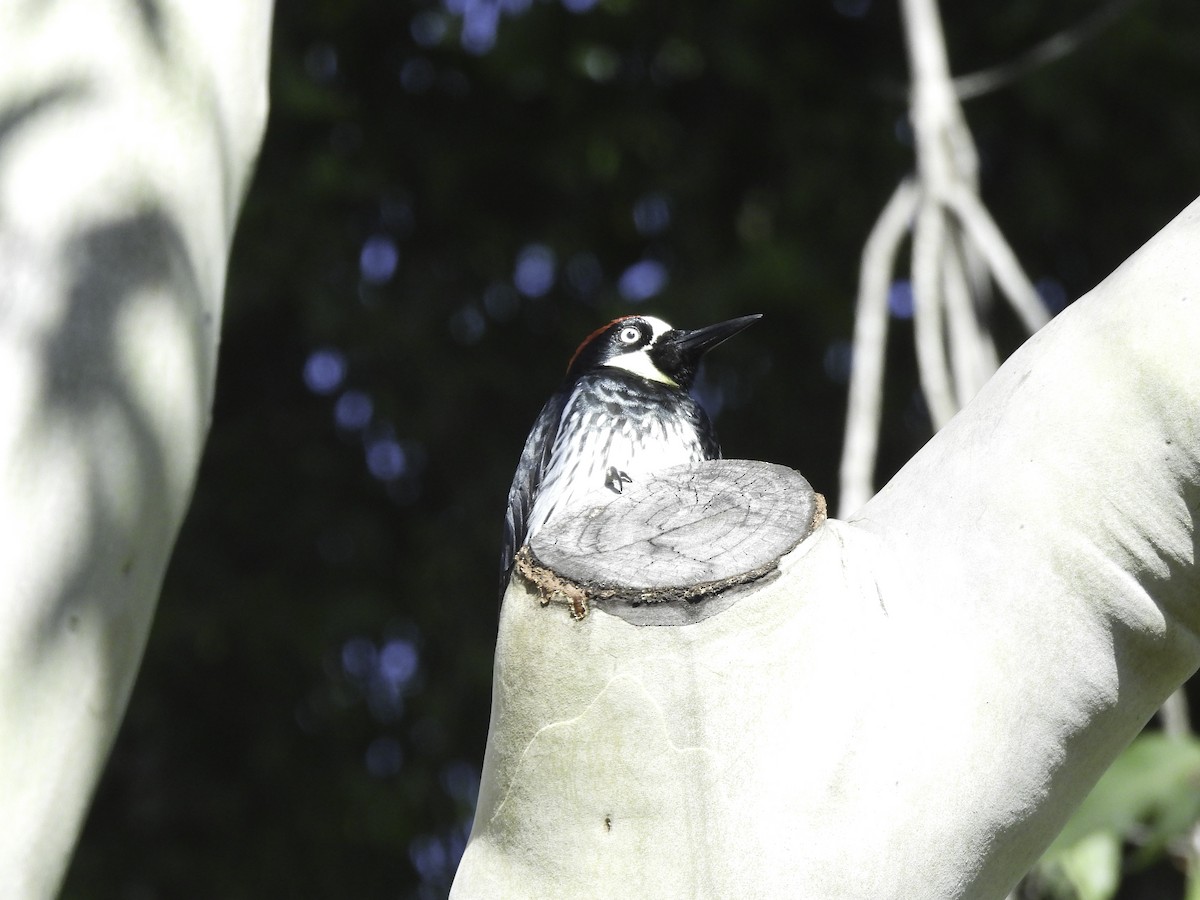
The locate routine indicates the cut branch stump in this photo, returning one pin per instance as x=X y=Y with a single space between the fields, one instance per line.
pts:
x=675 y=548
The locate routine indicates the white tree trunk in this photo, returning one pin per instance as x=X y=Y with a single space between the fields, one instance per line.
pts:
x=913 y=708
x=127 y=134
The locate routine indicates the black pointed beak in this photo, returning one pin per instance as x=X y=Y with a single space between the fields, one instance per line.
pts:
x=695 y=344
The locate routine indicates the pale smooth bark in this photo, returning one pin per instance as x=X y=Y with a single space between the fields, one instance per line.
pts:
x=917 y=704
x=128 y=131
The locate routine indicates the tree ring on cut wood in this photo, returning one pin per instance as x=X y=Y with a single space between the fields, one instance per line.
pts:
x=677 y=547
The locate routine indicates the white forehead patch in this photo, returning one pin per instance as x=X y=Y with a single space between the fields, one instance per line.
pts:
x=638 y=361
x=657 y=327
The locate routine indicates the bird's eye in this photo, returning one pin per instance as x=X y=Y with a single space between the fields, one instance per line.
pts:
x=630 y=334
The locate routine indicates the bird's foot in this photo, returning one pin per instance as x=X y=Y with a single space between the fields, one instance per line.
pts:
x=615 y=480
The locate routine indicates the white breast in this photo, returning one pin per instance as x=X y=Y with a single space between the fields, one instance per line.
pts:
x=578 y=473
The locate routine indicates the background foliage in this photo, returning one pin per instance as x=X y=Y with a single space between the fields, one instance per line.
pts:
x=449 y=197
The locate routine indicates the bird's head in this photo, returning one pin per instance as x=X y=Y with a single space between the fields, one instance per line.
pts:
x=650 y=348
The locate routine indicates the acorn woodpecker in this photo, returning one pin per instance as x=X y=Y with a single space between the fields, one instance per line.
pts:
x=623 y=410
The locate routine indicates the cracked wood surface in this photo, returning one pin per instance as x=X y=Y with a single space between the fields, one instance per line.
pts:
x=676 y=548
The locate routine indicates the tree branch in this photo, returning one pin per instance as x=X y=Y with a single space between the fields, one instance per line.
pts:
x=870 y=341
x=915 y=704
x=127 y=136
x=955 y=245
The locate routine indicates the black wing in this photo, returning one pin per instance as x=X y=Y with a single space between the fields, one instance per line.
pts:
x=534 y=459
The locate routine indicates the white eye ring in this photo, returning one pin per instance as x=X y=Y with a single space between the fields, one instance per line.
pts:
x=630 y=334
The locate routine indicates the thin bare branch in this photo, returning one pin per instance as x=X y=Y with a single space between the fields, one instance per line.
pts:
x=861 y=442
x=957 y=252
x=1050 y=50
x=928 y=248
x=1006 y=269
x=968 y=359
x=1174 y=715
